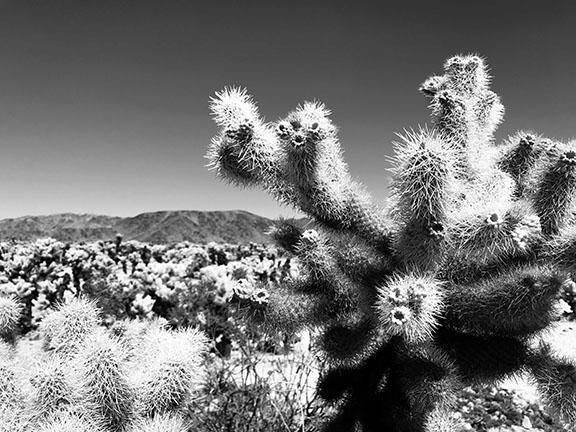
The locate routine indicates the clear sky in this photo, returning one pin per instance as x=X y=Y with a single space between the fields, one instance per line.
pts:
x=104 y=104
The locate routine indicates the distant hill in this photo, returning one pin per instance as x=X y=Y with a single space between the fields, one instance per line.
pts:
x=158 y=227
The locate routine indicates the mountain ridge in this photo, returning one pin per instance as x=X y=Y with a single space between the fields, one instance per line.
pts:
x=164 y=226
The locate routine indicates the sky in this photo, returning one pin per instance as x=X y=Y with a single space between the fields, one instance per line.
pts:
x=104 y=104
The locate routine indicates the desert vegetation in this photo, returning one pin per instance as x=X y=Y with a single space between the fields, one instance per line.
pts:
x=405 y=318
x=133 y=299
x=161 y=321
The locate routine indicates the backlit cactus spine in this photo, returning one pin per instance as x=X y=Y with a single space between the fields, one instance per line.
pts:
x=11 y=397
x=447 y=286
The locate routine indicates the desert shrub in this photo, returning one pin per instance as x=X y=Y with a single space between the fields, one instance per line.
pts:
x=253 y=391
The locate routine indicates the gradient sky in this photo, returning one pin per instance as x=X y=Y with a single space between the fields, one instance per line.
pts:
x=104 y=104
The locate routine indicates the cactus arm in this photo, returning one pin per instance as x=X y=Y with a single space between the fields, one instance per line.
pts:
x=463 y=107
x=555 y=378
x=246 y=151
x=556 y=190
x=424 y=192
x=320 y=177
x=520 y=155
x=561 y=250
x=501 y=232
x=518 y=302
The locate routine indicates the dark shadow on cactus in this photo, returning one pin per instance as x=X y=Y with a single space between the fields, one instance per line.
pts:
x=375 y=395
x=483 y=358
x=518 y=302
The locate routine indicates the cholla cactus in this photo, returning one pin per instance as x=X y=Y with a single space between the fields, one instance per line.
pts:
x=52 y=390
x=66 y=328
x=11 y=397
x=449 y=285
x=171 y=370
x=136 y=376
x=104 y=383
x=10 y=311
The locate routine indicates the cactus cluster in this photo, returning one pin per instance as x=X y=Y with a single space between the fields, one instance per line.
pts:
x=141 y=280
x=452 y=283
x=136 y=376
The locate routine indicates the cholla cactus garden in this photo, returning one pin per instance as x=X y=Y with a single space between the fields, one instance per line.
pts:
x=451 y=284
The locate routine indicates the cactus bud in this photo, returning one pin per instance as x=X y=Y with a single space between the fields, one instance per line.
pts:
x=409 y=306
